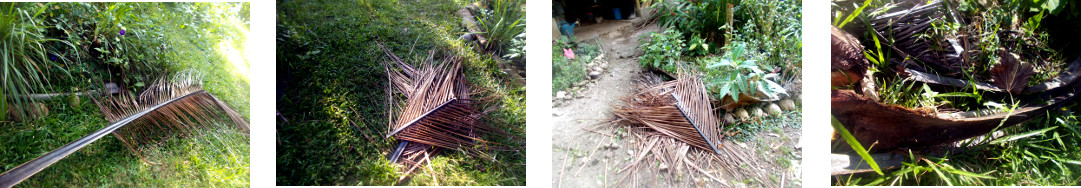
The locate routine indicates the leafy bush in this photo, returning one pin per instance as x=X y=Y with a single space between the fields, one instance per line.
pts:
x=772 y=27
x=737 y=72
x=704 y=17
x=121 y=45
x=662 y=50
x=517 y=47
x=698 y=46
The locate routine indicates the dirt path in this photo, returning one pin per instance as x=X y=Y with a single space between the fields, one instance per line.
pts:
x=583 y=158
x=586 y=157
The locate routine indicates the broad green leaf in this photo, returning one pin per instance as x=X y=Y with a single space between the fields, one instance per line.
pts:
x=724 y=90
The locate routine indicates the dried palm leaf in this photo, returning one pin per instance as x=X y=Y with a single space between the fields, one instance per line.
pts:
x=680 y=109
x=904 y=29
x=437 y=111
x=669 y=119
x=188 y=108
x=1010 y=73
x=661 y=154
x=171 y=106
x=892 y=127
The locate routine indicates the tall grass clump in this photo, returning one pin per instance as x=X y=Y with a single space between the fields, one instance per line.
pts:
x=502 y=23
x=26 y=57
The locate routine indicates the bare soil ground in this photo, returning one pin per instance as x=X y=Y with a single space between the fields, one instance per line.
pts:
x=586 y=152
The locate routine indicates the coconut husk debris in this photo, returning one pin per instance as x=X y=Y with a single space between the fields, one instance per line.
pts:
x=677 y=133
x=431 y=110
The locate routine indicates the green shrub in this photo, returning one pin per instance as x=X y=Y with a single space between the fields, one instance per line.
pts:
x=662 y=50
x=737 y=72
x=698 y=46
x=120 y=43
x=704 y=17
x=772 y=27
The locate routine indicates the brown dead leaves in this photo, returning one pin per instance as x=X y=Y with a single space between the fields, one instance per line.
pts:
x=1010 y=73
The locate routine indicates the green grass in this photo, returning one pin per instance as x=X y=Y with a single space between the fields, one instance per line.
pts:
x=566 y=72
x=216 y=157
x=212 y=157
x=334 y=98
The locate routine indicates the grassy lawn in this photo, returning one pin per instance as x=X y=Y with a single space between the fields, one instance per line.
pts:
x=207 y=38
x=333 y=93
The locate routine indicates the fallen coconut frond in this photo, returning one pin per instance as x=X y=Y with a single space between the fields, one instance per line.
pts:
x=436 y=111
x=892 y=127
x=170 y=107
x=189 y=108
x=680 y=109
x=678 y=134
x=940 y=61
x=904 y=27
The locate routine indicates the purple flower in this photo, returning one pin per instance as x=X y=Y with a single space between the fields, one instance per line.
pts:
x=52 y=57
x=122 y=32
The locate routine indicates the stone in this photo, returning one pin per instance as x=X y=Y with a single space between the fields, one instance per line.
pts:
x=742 y=114
x=34 y=111
x=75 y=101
x=561 y=95
x=612 y=146
x=598 y=68
x=594 y=75
x=773 y=110
x=581 y=83
x=788 y=104
x=729 y=119
x=757 y=112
